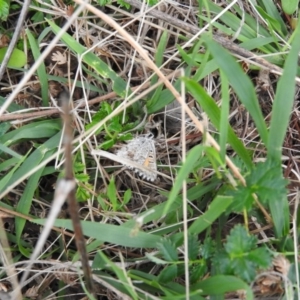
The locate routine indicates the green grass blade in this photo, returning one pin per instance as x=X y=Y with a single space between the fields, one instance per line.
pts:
x=35 y=158
x=284 y=99
x=6 y=178
x=192 y=157
x=34 y=130
x=240 y=83
x=9 y=151
x=224 y=115
x=119 y=235
x=25 y=202
x=41 y=70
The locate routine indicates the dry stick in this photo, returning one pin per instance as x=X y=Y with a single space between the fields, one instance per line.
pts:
x=169 y=86
x=15 y=37
x=72 y=203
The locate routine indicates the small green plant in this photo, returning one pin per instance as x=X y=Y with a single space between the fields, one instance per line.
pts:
x=4 y=9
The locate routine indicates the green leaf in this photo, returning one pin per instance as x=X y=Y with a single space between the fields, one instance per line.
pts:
x=284 y=100
x=121 y=275
x=243 y=256
x=4 y=9
x=243 y=199
x=6 y=178
x=216 y=208
x=112 y=194
x=119 y=235
x=17 y=60
x=34 y=130
x=240 y=83
x=41 y=70
x=168 y=274
x=289 y=6
x=239 y=241
x=127 y=196
x=261 y=257
x=168 y=250
x=25 y=202
x=272 y=11
x=267 y=182
x=221 y=284
x=34 y=158
x=193 y=246
x=26 y=199
x=224 y=126
x=192 y=157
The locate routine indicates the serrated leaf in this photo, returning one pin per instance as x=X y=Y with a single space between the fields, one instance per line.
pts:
x=243 y=268
x=4 y=9
x=82 y=177
x=167 y=250
x=239 y=241
x=267 y=182
x=243 y=199
x=261 y=257
x=193 y=247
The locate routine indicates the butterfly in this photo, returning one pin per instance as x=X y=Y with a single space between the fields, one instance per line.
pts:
x=139 y=155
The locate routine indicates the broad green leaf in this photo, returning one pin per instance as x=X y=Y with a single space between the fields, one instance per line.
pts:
x=9 y=151
x=284 y=100
x=240 y=83
x=168 y=274
x=215 y=209
x=221 y=284
x=17 y=60
x=34 y=130
x=289 y=6
x=119 y=235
